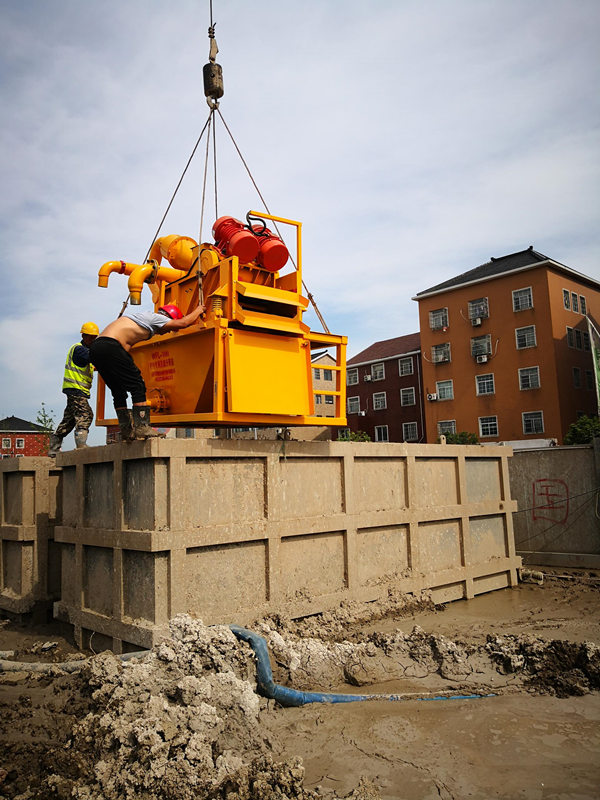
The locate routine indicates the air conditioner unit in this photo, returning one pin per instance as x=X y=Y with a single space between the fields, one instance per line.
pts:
x=476 y=322
x=482 y=359
x=368 y=378
x=432 y=396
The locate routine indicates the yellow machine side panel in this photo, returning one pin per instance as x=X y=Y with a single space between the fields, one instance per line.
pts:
x=268 y=374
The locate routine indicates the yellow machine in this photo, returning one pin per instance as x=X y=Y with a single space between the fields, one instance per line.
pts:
x=247 y=362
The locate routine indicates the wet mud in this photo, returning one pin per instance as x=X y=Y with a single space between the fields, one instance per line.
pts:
x=186 y=721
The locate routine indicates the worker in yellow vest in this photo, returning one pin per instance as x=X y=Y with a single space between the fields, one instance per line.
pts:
x=76 y=385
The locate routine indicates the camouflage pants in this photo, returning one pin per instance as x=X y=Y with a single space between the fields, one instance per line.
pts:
x=78 y=414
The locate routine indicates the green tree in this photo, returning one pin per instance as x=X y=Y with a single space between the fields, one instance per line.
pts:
x=45 y=418
x=354 y=436
x=461 y=438
x=583 y=431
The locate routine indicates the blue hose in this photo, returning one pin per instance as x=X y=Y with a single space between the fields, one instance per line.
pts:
x=293 y=697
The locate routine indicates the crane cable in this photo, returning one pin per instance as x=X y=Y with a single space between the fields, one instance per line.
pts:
x=212 y=100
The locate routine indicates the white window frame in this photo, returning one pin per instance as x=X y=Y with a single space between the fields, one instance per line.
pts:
x=408 y=396
x=566 y=299
x=443 y=391
x=318 y=398
x=586 y=341
x=446 y=426
x=406 y=426
x=486 y=421
x=328 y=400
x=525 y=328
x=516 y=301
x=582 y=305
x=481 y=345
x=485 y=379
x=378 y=371
x=406 y=361
x=352 y=376
x=379 y=401
x=350 y=403
x=378 y=437
x=441 y=354
x=478 y=308
x=317 y=373
x=578 y=339
x=524 y=372
x=575 y=302
x=20 y=443
x=438 y=319
x=327 y=375
x=5 y=442
x=528 y=416
x=570 y=337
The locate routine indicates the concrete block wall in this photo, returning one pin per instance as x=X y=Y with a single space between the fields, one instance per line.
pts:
x=30 y=498
x=229 y=530
x=558 y=522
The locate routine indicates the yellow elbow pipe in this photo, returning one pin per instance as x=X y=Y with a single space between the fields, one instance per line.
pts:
x=149 y=273
x=107 y=269
x=180 y=251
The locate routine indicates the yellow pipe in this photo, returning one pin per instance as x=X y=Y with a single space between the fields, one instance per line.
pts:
x=139 y=274
x=178 y=250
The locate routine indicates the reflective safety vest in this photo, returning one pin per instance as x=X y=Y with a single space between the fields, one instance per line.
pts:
x=77 y=377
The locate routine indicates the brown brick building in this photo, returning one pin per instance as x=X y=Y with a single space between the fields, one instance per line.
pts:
x=384 y=391
x=20 y=438
x=506 y=349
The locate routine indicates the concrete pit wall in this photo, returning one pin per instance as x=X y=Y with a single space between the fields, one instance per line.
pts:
x=30 y=496
x=230 y=530
x=557 y=492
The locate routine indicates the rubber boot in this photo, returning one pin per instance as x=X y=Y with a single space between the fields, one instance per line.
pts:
x=80 y=439
x=125 y=424
x=141 y=424
x=55 y=443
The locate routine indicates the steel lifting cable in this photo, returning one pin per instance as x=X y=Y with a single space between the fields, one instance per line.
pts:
x=309 y=295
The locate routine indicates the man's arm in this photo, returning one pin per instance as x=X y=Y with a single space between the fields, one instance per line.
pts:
x=81 y=356
x=184 y=322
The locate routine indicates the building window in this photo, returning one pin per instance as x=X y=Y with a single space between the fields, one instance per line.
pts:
x=578 y=339
x=445 y=390
x=328 y=400
x=582 y=305
x=566 y=299
x=379 y=401
x=586 y=340
x=533 y=422
x=353 y=405
x=525 y=337
x=5 y=443
x=438 y=319
x=317 y=374
x=407 y=396
x=478 y=309
x=327 y=375
x=446 y=426
x=20 y=444
x=378 y=372
x=589 y=380
x=406 y=366
x=522 y=299
x=575 y=302
x=570 y=337
x=529 y=378
x=488 y=426
x=318 y=398
x=352 y=377
x=440 y=353
x=577 y=377
x=485 y=383
x=381 y=433
x=410 y=432
x=481 y=345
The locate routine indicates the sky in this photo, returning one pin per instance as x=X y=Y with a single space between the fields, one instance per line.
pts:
x=413 y=139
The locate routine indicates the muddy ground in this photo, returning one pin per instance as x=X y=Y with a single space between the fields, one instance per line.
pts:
x=186 y=721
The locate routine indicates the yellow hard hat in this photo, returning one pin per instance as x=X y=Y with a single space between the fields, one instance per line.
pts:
x=90 y=328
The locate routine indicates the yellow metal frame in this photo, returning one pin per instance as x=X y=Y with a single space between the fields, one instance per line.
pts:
x=247 y=363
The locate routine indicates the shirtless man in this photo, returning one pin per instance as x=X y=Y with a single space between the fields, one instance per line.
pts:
x=109 y=353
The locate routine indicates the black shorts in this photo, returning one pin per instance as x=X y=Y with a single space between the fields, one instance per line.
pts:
x=118 y=371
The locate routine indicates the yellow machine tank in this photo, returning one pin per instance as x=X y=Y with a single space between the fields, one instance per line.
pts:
x=248 y=361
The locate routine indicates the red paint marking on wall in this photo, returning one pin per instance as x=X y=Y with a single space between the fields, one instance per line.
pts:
x=550 y=500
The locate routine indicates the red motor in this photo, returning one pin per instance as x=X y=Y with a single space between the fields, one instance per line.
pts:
x=234 y=239
x=272 y=252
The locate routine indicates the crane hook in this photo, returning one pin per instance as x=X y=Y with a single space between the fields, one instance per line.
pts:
x=212 y=73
